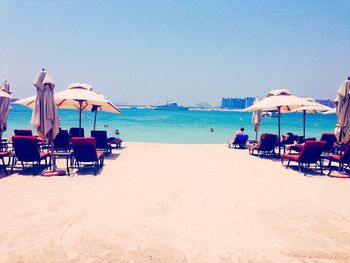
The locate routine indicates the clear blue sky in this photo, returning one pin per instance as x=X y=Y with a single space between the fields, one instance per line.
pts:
x=148 y=52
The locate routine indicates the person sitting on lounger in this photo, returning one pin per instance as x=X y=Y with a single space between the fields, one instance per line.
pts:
x=239 y=132
x=288 y=139
x=115 y=140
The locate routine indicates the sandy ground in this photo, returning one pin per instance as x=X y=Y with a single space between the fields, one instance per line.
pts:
x=176 y=203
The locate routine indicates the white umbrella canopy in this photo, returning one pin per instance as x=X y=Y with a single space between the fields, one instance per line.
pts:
x=316 y=108
x=313 y=108
x=280 y=100
x=342 y=130
x=331 y=111
x=82 y=93
x=81 y=96
x=69 y=99
x=78 y=96
x=29 y=101
x=283 y=102
x=278 y=92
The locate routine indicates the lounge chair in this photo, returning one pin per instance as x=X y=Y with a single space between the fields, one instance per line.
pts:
x=84 y=151
x=343 y=160
x=26 y=150
x=102 y=141
x=3 y=145
x=330 y=139
x=74 y=132
x=115 y=142
x=310 y=154
x=23 y=132
x=240 y=141
x=61 y=142
x=4 y=154
x=266 y=145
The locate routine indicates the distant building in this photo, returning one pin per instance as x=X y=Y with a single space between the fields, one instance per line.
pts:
x=237 y=103
x=329 y=103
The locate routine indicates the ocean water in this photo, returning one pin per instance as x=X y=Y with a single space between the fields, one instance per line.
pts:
x=147 y=125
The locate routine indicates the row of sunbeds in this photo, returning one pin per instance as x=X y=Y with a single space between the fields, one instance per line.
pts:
x=27 y=149
x=304 y=152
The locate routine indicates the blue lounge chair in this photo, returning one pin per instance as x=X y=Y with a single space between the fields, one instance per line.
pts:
x=240 y=141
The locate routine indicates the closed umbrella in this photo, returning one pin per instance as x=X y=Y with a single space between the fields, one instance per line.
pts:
x=45 y=116
x=256 y=119
x=4 y=107
x=342 y=131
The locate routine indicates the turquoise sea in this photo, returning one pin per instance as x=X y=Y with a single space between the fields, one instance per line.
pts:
x=148 y=125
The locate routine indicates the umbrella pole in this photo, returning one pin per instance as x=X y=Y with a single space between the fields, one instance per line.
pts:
x=53 y=158
x=279 y=130
x=95 y=119
x=80 y=104
x=0 y=141
x=304 y=118
x=256 y=135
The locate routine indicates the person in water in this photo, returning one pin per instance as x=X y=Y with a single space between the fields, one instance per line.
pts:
x=239 y=132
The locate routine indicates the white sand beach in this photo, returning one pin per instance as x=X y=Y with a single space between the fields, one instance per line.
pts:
x=176 y=203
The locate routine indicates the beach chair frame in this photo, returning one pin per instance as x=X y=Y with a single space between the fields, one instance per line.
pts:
x=330 y=139
x=240 y=141
x=23 y=132
x=310 y=154
x=4 y=154
x=74 y=132
x=62 y=142
x=85 y=152
x=27 y=151
x=266 y=145
x=343 y=160
x=101 y=140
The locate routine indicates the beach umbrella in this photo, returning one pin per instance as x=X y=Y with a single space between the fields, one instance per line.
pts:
x=81 y=96
x=331 y=111
x=45 y=115
x=342 y=131
x=316 y=108
x=256 y=119
x=29 y=101
x=4 y=106
x=280 y=100
x=78 y=96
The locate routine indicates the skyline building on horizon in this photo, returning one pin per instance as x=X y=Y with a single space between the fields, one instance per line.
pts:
x=237 y=103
